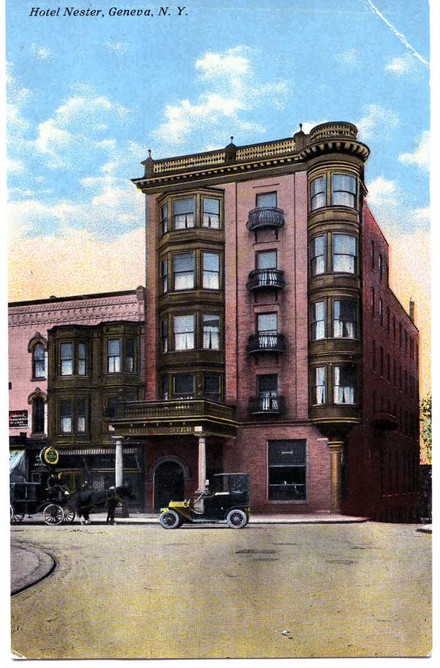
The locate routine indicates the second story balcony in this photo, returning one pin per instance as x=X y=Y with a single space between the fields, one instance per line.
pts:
x=266 y=278
x=268 y=404
x=265 y=218
x=266 y=342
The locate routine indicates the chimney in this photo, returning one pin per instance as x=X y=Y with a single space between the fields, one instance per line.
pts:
x=411 y=309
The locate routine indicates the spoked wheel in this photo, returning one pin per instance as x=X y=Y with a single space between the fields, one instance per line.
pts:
x=170 y=519
x=53 y=514
x=236 y=519
x=69 y=515
x=15 y=517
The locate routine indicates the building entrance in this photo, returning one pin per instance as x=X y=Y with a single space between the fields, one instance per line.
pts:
x=169 y=484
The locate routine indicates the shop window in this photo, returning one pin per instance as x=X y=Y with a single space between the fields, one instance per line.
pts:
x=344 y=253
x=39 y=357
x=211 y=332
x=343 y=190
x=211 y=271
x=318 y=321
x=184 y=267
x=287 y=470
x=317 y=255
x=184 y=332
x=184 y=213
x=317 y=193
x=344 y=319
x=344 y=384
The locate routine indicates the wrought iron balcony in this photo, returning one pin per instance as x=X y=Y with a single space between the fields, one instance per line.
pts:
x=266 y=343
x=265 y=217
x=271 y=405
x=266 y=278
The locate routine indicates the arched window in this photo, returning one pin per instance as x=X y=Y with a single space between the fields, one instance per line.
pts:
x=38 y=405
x=38 y=348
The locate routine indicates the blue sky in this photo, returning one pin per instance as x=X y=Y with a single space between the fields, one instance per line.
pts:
x=88 y=96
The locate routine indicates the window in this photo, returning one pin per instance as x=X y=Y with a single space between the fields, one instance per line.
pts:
x=266 y=259
x=184 y=332
x=164 y=335
x=66 y=353
x=38 y=414
x=372 y=254
x=211 y=271
x=184 y=213
x=267 y=326
x=211 y=332
x=81 y=416
x=319 y=385
x=184 y=266
x=39 y=361
x=317 y=255
x=318 y=321
x=381 y=311
x=164 y=218
x=267 y=388
x=344 y=384
x=344 y=319
x=164 y=388
x=211 y=213
x=66 y=416
x=344 y=253
x=114 y=355
x=287 y=470
x=164 y=275
x=380 y=266
x=343 y=189
x=317 y=193
x=373 y=303
x=211 y=386
x=266 y=200
x=129 y=362
x=82 y=359
x=184 y=385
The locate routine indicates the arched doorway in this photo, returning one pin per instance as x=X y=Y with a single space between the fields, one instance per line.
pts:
x=169 y=484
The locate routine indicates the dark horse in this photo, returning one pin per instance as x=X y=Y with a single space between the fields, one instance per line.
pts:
x=83 y=502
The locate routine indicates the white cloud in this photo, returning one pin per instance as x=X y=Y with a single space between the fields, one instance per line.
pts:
x=382 y=191
x=41 y=52
x=401 y=65
x=420 y=157
x=349 y=58
x=377 y=119
x=232 y=87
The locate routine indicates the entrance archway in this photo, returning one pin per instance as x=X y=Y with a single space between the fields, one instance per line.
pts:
x=169 y=483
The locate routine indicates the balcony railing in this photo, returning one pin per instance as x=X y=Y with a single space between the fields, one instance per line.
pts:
x=272 y=405
x=266 y=278
x=265 y=217
x=183 y=408
x=266 y=343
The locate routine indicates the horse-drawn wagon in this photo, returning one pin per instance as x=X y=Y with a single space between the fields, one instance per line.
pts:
x=30 y=498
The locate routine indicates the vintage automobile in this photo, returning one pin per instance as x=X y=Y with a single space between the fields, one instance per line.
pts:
x=227 y=502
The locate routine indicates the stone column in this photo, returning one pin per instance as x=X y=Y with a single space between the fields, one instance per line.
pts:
x=335 y=474
x=119 y=463
x=202 y=472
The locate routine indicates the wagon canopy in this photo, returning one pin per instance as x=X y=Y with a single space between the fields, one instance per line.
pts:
x=17 y=466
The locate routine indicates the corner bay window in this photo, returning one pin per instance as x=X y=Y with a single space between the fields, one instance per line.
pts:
x=335 y=383
x=344 y=319
x=195 y=210
x=343 y=191
x=211 y=271
x=344 y=253
x=211 y=213
x=319 y=385
x=287 y=470
x=318 y=321
x=184 y=267
x=344 y=384
x=211 y=332
x=184 y=213
x=184 y=332
x=318 y=255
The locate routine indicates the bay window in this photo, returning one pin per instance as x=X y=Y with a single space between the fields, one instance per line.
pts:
x=319 y=385
x=66 y=416
x=184 y=332
x=343 y=190
x=318 y=193
x=184 y=385
x=211 y=213
x=211 y=332
x=317 y=255
x=184 y=267
x=318 y=320
x=344 y=253
x=344 y=384
x=66 y=355
x=114 y=355
x=211 y=386
x=211 y=271
x=184 y=213
x=344 y=319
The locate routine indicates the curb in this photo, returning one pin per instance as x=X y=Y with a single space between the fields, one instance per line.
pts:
x=34 y=565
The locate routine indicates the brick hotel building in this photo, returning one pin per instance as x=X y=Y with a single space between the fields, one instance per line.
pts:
x=273 y=342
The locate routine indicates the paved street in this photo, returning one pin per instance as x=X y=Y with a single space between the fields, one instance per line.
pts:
x=138 y=591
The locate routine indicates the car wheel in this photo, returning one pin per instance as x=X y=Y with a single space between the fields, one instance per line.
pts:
x=236 y=519
x=170 y=519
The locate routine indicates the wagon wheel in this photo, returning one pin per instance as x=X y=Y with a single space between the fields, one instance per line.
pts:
x=16 y=517
x=69 y=515
x=53 y=514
